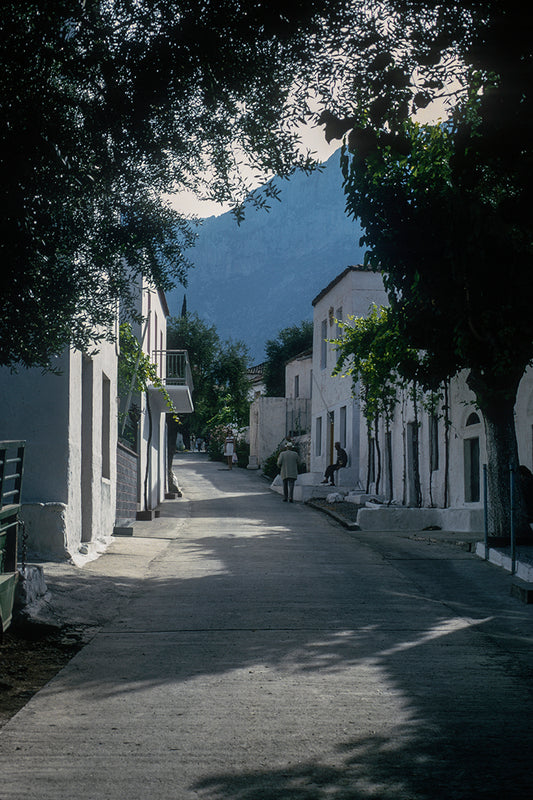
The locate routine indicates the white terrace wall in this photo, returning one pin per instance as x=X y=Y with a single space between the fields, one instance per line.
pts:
x=272 y=419
x=456 y=487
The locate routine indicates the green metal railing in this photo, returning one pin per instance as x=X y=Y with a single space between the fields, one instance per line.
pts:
x=11 y=473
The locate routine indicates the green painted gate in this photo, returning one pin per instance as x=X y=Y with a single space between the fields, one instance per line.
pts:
x=11 y=472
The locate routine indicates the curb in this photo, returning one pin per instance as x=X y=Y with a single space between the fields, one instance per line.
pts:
x=351 y=526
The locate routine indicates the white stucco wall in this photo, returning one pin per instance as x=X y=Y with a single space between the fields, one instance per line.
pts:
x=524 y=419
x=432 y=480
x=68 y=503
x=34 y=407
x=299 y=371
x=267 y=426
x=152 y=458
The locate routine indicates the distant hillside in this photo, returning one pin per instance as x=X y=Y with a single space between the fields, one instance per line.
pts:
x=254 y=279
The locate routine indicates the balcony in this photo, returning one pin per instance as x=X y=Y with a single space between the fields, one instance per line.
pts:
x=175 y=374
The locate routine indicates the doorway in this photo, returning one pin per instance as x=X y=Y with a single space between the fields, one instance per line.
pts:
x=331 y=436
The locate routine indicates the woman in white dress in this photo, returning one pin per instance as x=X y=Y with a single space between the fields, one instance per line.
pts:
x=229 y=449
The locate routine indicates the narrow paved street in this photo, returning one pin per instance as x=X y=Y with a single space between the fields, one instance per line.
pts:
x=270 y=654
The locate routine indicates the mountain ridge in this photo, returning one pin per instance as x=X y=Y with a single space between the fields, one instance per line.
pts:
x=252 y=280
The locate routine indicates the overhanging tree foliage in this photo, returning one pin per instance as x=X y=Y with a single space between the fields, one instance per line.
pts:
x=219 y=371
x=107 y=104
x=446 y=216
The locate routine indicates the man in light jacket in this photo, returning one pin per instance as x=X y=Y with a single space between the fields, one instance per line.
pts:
x=288 y=464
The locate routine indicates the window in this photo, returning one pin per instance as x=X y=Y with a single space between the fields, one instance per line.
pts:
x=297 y=386
x=433 y=443
x=324 y=344
x=342 y=426
x=338 y=317
x=318 y=437
x=106 y=423
x=471 y=465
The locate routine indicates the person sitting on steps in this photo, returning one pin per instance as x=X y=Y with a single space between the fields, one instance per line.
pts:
x=342 y=460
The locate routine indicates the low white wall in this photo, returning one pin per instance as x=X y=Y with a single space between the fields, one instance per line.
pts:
x=46 y=528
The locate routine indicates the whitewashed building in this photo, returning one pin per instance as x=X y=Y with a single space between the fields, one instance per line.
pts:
x=74 y=489
x=69 y=423
x=274 y=419
x=335 y=411
x=143 y=467
x=426 y=467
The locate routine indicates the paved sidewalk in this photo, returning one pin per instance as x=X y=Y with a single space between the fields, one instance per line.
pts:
x=256 y=650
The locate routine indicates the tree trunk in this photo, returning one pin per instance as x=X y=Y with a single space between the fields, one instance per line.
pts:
x=502 y=456
x=447 y=424
x=148 y=454
x=389 y=467
x=370 y=456
x=416 y=451
x=378 y=454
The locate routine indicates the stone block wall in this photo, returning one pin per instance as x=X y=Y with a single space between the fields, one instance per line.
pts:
x=127 y=484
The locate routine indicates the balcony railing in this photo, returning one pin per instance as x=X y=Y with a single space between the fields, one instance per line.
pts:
x=173 y=367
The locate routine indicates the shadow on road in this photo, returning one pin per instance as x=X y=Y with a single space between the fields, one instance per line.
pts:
x=287 y=598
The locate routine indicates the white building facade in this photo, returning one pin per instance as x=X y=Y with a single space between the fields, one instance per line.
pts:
x=151 y=451
x=273 y=420
x=69 y=423
x=335 y=409
x=425 y=467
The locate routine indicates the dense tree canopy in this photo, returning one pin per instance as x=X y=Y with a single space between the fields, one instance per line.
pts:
x=445 y=211
x=108 y=104
x=219 y=370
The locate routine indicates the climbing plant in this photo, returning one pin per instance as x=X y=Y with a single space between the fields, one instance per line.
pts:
x=135 y=374
x=372 y=351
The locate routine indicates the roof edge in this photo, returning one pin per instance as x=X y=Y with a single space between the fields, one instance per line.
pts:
x=329 y=287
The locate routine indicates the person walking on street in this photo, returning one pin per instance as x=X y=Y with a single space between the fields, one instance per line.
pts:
x=288 y=464
x=342 y=460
